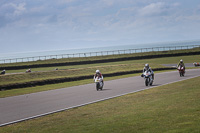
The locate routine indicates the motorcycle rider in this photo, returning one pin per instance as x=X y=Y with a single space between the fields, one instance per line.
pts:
x=3 y=72
x=147 y=68
x=181 y=64
x=28 y=71
x=98 y=73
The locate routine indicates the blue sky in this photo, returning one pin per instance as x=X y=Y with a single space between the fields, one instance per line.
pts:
x=40 y=25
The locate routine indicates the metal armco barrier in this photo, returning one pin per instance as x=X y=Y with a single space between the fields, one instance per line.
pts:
x=101 y=53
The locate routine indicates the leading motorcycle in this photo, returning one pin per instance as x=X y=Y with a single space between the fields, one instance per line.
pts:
x=148 y=78
x=99 y=83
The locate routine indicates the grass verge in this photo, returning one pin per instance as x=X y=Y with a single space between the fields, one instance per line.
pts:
x=170 y=108
x=117 y=66
x=80 y=70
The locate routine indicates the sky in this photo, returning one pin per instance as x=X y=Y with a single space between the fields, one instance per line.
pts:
x=42 y=25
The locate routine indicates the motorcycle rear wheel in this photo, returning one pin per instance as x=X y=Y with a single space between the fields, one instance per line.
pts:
x=181 y=74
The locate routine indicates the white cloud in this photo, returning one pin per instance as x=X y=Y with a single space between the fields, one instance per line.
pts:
x=66 y=1
x=77 y=20
x=153 y=9
x=125 y=12
x=19 y=9
x=176 y=4
x=13 y=10
x=108 y=2
x=37 y=9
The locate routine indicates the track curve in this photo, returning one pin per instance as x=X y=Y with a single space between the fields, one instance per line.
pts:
x=23 y=107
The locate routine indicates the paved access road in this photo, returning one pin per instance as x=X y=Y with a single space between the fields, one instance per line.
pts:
x=175 y=65
x=18 y=108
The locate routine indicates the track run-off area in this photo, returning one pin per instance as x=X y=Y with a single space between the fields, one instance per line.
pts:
x=19 y=108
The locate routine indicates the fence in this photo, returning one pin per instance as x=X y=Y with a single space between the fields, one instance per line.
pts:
x=101 y=53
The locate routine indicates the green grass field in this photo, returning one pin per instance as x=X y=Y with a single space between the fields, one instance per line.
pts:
x=79 y=70
x=170 y=108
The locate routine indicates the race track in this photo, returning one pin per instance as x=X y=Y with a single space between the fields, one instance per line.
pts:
x=23 y=107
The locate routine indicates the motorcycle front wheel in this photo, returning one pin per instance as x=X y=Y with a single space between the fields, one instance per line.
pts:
x=146 y=81
x=151 y=83
x=97 y=86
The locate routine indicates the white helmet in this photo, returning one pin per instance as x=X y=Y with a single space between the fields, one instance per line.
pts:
x=147 y=65
x=97 y=71
x=181 y=60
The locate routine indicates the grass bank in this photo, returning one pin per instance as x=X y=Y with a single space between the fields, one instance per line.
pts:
x=170 y=108
x=44 y=75
x=80 y=70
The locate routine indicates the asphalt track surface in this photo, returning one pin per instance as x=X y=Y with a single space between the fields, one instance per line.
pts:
x=19 y=108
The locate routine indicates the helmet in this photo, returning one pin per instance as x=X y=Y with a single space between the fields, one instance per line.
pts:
x=181 y=60
x=97 y=71
x=147 y=65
